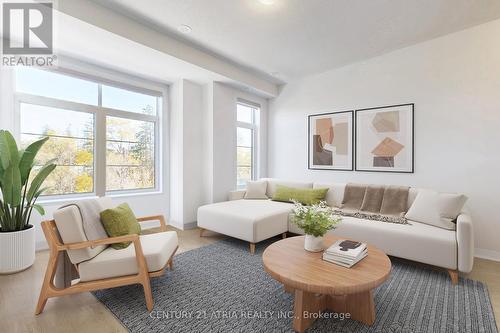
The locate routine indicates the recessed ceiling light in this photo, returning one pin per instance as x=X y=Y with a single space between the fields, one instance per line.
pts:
x=267 y=2
x=185 y=29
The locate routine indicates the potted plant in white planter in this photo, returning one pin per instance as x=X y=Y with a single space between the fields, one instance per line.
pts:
x=18 y=198
x=316 y=220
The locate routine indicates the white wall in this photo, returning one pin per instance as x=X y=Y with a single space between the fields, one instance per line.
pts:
x=222 y=137
x=193 y=138
x=175 y=160
x=454 y=82
x=186 y=139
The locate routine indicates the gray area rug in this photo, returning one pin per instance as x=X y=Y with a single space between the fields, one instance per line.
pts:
x=222 y=288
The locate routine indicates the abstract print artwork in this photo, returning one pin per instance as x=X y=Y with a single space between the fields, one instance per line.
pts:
x=384 y=139
x=331 y=141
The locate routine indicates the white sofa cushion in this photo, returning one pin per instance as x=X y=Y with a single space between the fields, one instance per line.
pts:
x=437 y=209
x=157 y=249
x=418 y=241
x=451 y=204
x=256 y=190
x=335 y=193
x=272 y=183
x=249 y=220
x=70 y=226
x=412 y=194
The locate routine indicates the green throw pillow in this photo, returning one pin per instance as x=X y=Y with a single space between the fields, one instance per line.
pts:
x=120 y=221
x=303 y=195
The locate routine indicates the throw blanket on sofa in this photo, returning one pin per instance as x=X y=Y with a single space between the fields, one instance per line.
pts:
x=374 y=202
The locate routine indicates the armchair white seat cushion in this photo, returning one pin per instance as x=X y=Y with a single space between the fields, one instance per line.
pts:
x=248 y=220
x=157 y=249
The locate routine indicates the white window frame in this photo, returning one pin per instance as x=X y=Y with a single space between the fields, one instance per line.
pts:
x=254 y=126
x=100 y=113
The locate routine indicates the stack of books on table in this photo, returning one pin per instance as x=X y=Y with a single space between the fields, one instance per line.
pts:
x=345 y=253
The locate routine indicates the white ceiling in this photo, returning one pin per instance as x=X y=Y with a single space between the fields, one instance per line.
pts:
x=296 y=38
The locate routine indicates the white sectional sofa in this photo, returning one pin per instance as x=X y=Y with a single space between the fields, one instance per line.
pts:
x=257 y=220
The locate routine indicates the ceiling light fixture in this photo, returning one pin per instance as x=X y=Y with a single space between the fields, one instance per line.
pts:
x=267 y=2
x=185 y=29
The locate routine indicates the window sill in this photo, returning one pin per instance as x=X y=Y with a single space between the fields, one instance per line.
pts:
x=133 y=194
x=67 y=200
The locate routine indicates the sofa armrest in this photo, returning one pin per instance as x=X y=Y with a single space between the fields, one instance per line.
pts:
x=237 y=195
x=465 y=242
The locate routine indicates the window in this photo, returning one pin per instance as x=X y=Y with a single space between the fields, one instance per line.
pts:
x=247 y=116
x=103 y=138
x=71 y=143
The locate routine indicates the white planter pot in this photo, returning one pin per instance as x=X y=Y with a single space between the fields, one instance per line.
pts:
x=17 y=250
x=314 y=244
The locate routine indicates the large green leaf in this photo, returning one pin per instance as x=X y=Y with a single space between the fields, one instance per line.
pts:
x=4 y=150
x=11 y=186
x=39 y=179
x=39 y=209
x=8 y=150
x=28 y=158
x=2 y=171
x=2 y=213
x=39 y=192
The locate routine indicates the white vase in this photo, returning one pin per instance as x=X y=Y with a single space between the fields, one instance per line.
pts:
x=314 y=244
x=17 y=250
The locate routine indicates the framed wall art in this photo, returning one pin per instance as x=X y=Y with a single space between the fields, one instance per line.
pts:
x=385 y=139
x=331 y=141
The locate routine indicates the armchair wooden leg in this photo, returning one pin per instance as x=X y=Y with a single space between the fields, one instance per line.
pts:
x=283 y=235
x=171 y=264
x=47 y=281
x=453 y=276
x=252 y=248
x=143 y=274
x=148 y=294
x=201 y=232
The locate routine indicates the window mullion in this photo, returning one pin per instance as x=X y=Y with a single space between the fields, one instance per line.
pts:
x=100 y=148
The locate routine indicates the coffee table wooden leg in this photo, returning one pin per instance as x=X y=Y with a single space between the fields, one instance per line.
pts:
x=288 y=289
x=305 y=305
x=360 y=306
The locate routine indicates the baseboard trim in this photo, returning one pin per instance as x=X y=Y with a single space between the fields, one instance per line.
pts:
x=487 y=254
x=191 y=225
x=41 y=246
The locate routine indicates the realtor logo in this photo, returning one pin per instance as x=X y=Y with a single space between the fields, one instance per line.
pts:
x=27 y=28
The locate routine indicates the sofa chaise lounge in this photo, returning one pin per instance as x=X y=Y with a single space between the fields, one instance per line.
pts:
x=256 y=220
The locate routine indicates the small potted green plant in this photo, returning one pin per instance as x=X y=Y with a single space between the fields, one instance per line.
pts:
x=17 y=202
x=316 y=220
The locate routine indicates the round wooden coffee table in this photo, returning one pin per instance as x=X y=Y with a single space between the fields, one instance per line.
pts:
x=319 y=285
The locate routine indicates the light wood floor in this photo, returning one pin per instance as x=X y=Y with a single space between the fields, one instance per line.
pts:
x=83 y=313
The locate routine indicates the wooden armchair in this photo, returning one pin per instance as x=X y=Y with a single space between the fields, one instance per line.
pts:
x=155 y=251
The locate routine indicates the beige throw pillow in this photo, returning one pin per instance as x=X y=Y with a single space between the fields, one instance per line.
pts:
x=256 y=190
x=437 y=209
x=451 y=204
